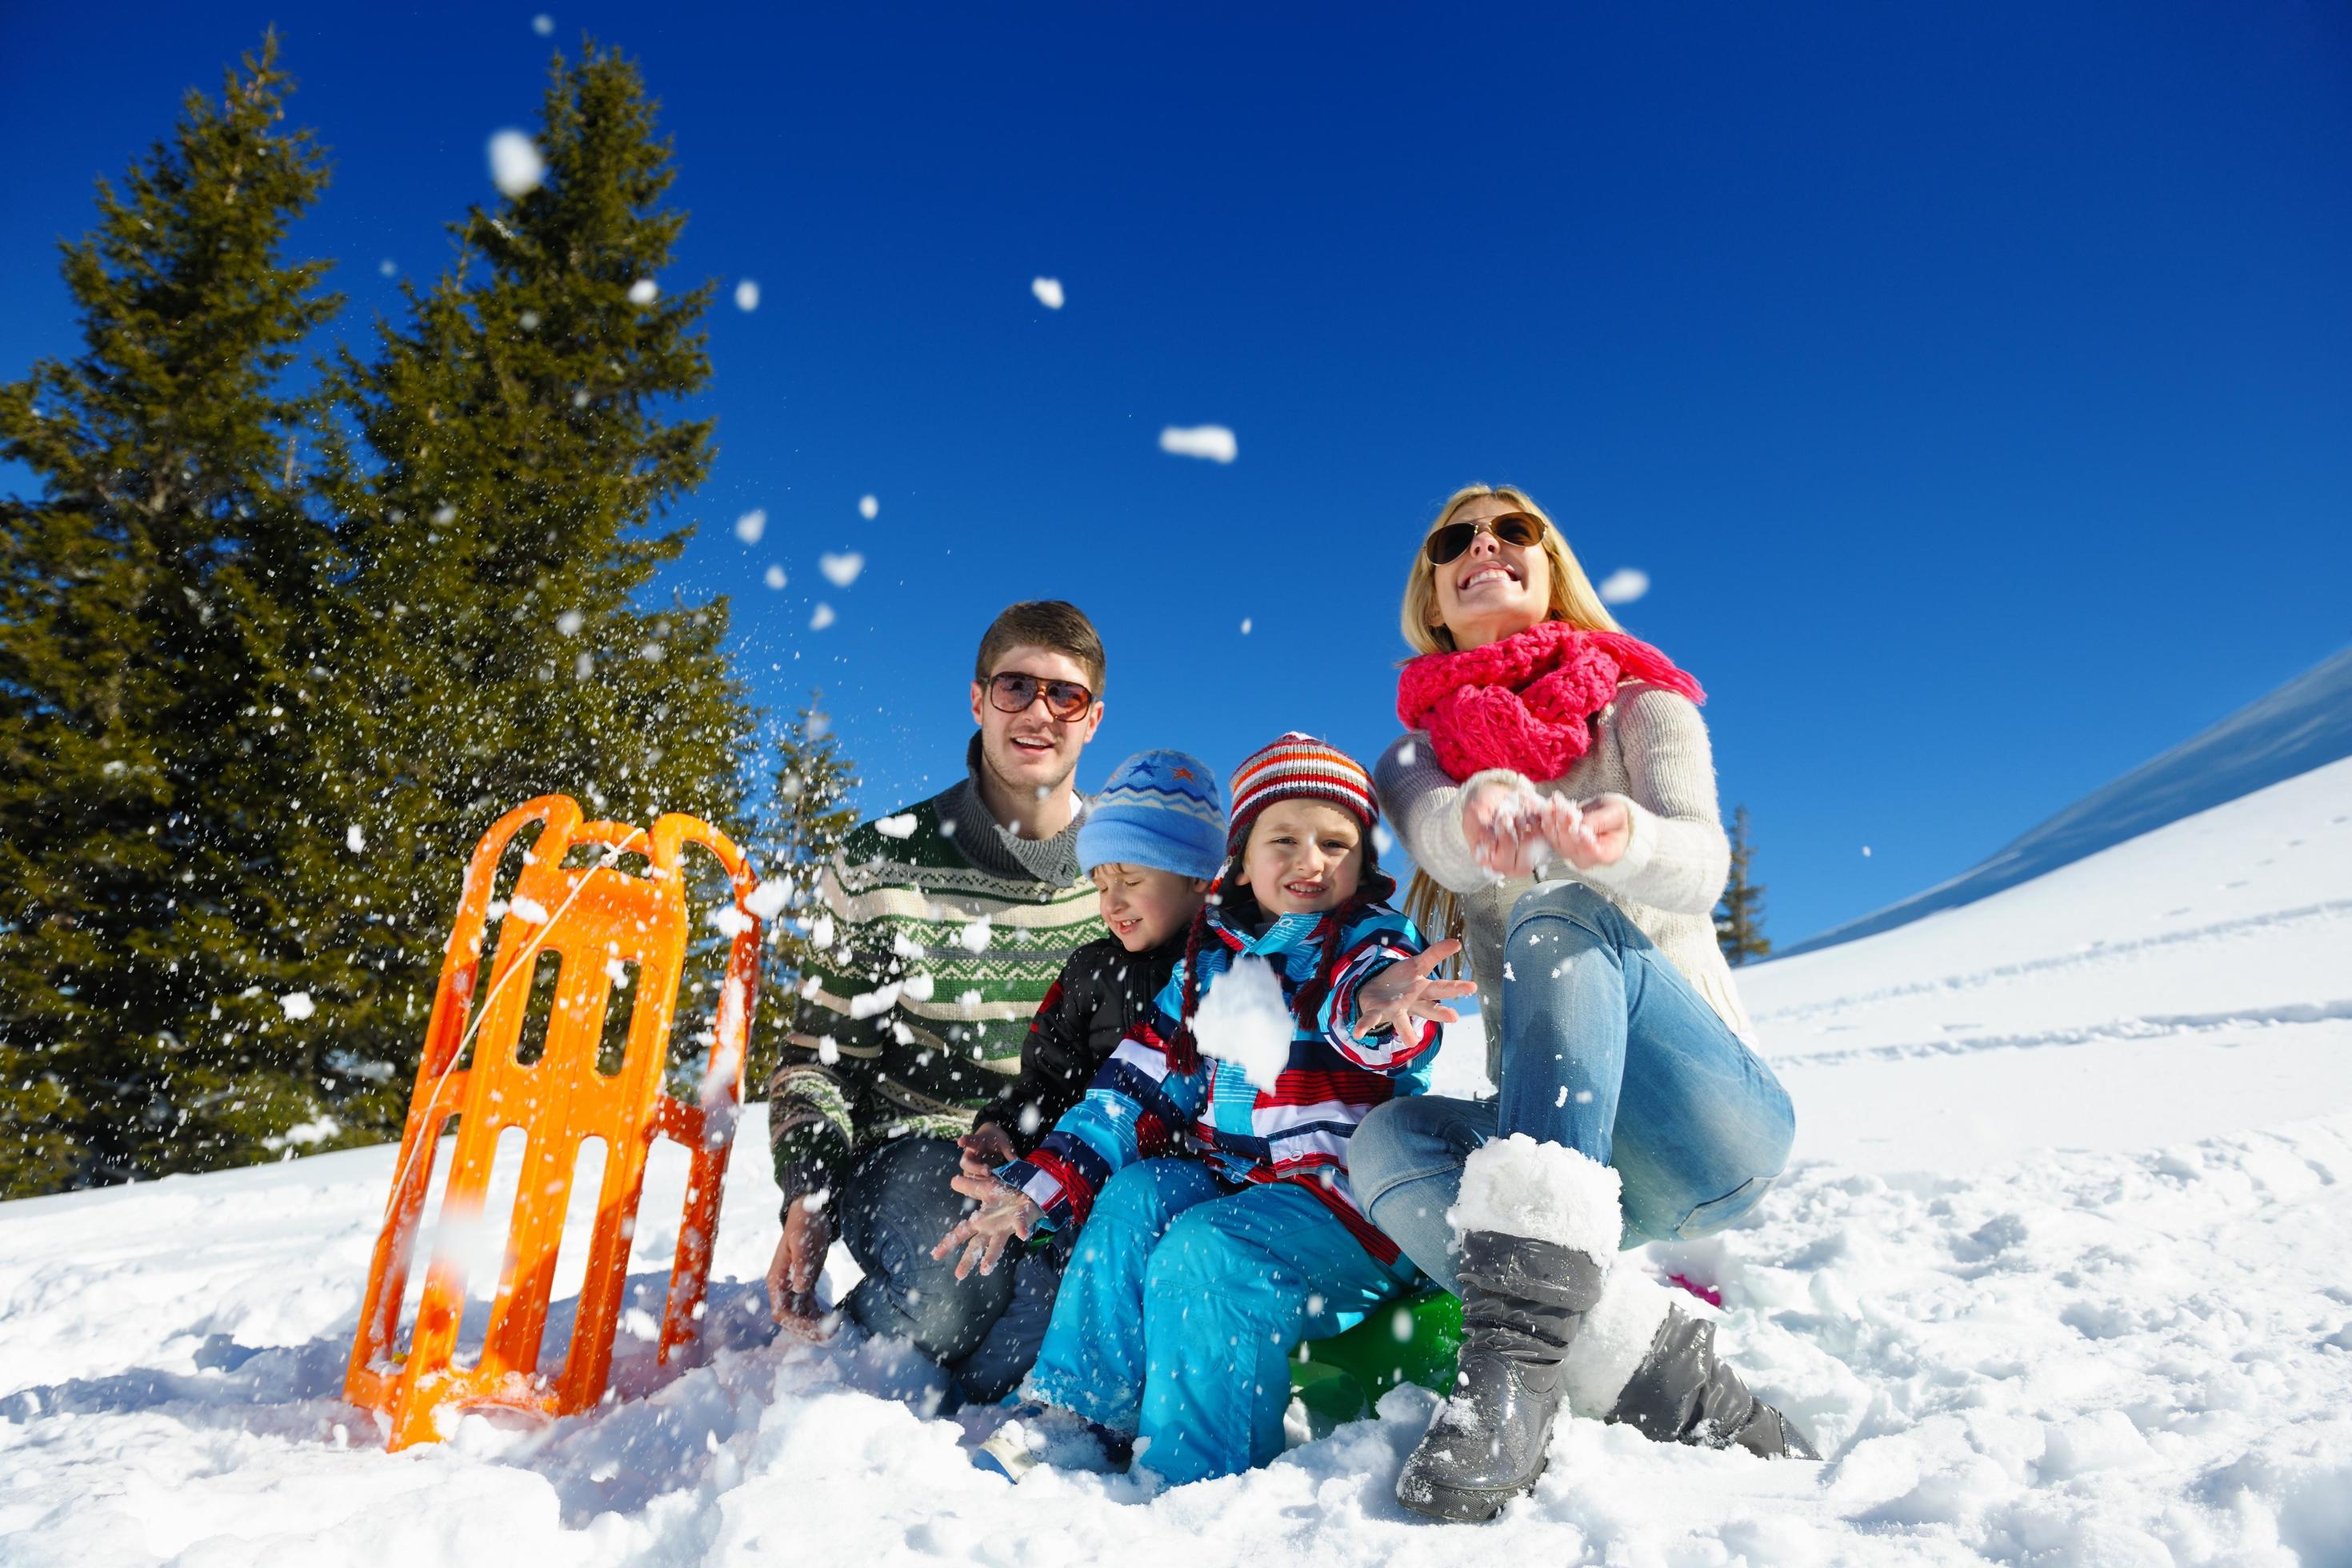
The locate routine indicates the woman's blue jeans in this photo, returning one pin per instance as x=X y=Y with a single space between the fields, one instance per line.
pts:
x=1608 y=1050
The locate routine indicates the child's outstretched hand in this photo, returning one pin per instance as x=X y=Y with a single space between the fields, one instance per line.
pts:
x=1004 y=1212
x=1407 y=993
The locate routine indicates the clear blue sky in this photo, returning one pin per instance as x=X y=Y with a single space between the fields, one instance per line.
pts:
x=1974 y=383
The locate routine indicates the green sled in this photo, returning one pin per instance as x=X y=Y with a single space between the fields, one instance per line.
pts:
x=1415 y=1338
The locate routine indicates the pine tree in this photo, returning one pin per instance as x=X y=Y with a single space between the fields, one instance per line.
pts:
x=499 y=463
x=157 y=674
x=807 y=817
x=1740 y=916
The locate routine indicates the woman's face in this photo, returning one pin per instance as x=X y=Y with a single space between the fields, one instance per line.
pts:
x=1492 y=589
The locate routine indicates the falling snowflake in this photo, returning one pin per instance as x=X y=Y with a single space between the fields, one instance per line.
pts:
x=1048 y=291
x=746 y=294
x=643 y=291
x=867 y=507
x=516 y=167
x=1214 y=442
x=775 y=577
x=841 y=569
x=821 y=618
x=298 y=1005
x=751 y=524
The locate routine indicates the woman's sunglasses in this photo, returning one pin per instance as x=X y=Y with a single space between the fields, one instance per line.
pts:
x=1511 y=528
x=1012 y=693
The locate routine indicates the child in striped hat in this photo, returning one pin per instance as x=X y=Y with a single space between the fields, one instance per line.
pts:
x=1207 y=1164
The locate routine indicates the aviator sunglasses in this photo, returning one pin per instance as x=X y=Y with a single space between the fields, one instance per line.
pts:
x=1511 y=528
x=1012 y=693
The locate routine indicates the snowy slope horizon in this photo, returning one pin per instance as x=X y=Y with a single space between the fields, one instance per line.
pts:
x=2303 y=724
x=2056 y=1277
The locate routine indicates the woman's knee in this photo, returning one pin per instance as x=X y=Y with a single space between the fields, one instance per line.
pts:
x=1706 y=1218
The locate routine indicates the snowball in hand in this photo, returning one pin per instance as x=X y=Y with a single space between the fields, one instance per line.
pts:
x=1244 y=1020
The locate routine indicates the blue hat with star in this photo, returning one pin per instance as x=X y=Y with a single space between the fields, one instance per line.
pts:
x=1160 y=809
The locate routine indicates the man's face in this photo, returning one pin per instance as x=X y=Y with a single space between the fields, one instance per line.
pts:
x=1032 y=753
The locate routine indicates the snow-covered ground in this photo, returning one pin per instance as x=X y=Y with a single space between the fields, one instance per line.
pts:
x=2060 y=1276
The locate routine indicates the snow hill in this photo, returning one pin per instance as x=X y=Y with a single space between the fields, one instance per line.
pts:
x=2305 y=724
x=2058 y=1276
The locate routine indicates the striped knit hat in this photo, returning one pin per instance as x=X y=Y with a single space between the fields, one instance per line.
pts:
x=1159 y=809
x=1299 y=767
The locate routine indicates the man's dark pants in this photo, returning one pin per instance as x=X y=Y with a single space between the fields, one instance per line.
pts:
x=984 y=1329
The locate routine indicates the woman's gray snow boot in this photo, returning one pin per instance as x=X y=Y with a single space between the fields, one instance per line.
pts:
x=1537 y=1227
x=1522 y=1301
x=1682 y=1393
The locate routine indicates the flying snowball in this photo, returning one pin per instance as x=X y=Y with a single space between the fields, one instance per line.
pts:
x=298 y=1005
x=1245 y=626
x=1048 y=291
x=867 y=507
x=543 y=25
x=841 y=570
x=388 y=267
x=1624 y=585
x=823 y=619
x=746 y=294
x=643 y=291
x=569 y=622
x=751 y=524
x=1214 y=442
x=354 y=838
x=1865 y=851
x=516 y=167
x=775 y=577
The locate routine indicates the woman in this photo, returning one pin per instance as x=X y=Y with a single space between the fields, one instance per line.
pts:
x=1557 y=785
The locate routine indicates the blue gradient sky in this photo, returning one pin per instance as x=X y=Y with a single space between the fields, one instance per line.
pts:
x=1974 y=384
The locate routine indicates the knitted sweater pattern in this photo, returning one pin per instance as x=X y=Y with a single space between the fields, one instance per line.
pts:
x=945 y=939
x=1649 y=749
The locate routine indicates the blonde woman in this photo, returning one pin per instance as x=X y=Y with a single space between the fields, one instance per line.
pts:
x=1555 y=789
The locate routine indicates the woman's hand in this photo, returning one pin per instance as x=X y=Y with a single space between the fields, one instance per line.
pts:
x=1004 y=1212
x=1590 y=833
x=1407 y=994
x=1502 y=822
x=984 y=1148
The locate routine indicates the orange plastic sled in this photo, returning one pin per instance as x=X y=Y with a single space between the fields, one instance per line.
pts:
x=596 y=919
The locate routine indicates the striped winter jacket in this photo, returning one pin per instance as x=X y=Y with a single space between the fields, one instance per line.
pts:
x=1137 y=1108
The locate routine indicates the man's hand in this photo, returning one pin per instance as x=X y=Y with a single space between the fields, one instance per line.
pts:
x=1407 y=993
x=1004 y=1212
x=793 y=1273
x=985 y=1147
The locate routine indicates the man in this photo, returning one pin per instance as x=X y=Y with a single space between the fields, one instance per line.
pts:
x=949 y=922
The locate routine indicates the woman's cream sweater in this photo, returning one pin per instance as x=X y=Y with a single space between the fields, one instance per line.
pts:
x=1649 y=749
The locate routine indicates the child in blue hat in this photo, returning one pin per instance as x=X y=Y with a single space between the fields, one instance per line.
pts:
x=1152 y=841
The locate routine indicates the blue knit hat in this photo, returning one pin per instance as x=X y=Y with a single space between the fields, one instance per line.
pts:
x=1160 y=809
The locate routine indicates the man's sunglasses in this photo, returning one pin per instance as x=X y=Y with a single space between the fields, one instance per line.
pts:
x=1012 y=693
x=1511 y=528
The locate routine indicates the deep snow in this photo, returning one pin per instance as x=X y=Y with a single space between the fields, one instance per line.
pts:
x=2059 y=1276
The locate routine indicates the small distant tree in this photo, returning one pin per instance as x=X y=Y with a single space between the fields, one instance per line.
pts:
x=807 y=817
x=1739 y=917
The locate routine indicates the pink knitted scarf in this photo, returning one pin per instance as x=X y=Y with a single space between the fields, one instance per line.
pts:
x=1525 y=703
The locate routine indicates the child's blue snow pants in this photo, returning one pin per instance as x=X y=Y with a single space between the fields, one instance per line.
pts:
x=1181 y=1303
